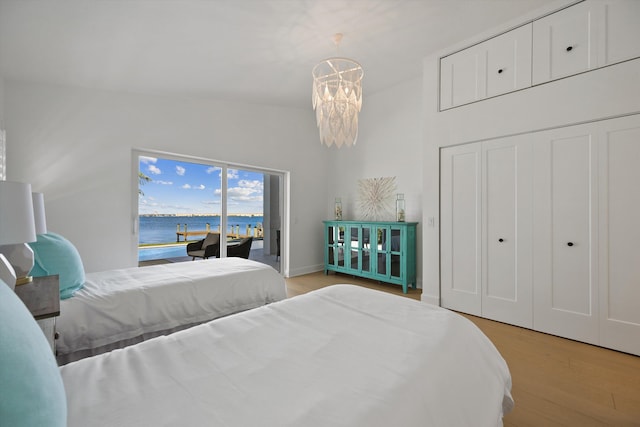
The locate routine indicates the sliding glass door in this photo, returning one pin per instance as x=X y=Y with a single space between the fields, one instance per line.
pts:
x=181 y=200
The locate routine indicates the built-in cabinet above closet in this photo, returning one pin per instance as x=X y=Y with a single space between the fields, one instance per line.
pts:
x=541 y=231
x=499 y=65
x=588 y=35
x=583 y=37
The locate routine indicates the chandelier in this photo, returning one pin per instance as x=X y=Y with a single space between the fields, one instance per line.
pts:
x=337 y=99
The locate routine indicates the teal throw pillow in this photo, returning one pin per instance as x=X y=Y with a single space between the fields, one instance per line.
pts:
x=31 y=388
x=53 y=254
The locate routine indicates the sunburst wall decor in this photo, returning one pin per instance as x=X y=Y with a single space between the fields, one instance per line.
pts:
x=376 y=198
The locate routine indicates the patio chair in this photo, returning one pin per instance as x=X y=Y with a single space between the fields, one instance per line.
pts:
x=241 y=250
x=205 y=248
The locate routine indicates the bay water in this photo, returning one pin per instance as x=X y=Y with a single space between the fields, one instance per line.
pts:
x=162 y=229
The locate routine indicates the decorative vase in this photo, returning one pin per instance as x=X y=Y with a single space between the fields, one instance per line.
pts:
x=338 y=209
x=400 y=208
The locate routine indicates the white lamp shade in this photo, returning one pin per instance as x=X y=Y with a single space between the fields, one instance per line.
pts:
x=16 y=213
x=39 y=215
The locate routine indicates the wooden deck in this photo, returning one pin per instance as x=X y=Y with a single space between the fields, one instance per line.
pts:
x=186 y=234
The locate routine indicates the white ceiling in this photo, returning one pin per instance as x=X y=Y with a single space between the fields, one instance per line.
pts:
x=250 y=50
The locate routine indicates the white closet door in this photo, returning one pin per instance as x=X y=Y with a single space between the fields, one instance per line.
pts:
x=620 y=234
x=507 y=228
x=460 y=181
x=565 y=234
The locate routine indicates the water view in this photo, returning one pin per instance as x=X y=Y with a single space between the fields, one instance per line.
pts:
x=162 y=230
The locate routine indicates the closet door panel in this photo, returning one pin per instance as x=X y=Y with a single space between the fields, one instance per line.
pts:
x=570 y=201
x=565 y=235
x=460 y=247
x=461 y=81
x=507 y=276
x=619 y=30
x=564 y=43
x=620 y=242
x=509 y=61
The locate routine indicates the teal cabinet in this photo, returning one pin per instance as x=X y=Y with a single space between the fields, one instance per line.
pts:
x=384 y=251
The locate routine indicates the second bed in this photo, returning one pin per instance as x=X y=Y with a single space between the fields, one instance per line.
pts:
x=117 y=308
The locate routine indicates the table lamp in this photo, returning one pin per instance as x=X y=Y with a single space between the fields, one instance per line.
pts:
x=17 y=228
x=39 y=215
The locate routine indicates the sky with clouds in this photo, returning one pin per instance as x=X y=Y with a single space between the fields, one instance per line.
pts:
x=178 y=187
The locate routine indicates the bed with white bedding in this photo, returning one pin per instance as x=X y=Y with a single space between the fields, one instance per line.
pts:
x=121 y=307
x=340 y=356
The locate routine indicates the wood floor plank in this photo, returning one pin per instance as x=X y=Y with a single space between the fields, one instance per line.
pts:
x=556 y=382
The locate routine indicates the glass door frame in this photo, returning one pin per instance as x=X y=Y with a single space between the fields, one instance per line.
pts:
x=284 y=200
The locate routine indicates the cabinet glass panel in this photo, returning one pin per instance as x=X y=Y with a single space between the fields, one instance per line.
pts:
x=395 y=240
x=382 y=247
x=339 y=246
x=354 y=244
x=331 y=233
x=365 y=249
x=366 y=260
x=340 y=256
x=395 y=266
x=331 y=258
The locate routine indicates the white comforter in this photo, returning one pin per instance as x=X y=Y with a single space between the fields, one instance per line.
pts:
x=340 y=356
x=120 y=305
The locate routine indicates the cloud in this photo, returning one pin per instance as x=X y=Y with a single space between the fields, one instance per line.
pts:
x=232 y=174
x=255 y=184
x=212 y=169
x=194 y=187
x=154 y=170
x=146 y=160
x=180 y=170
x=163 y=182
x=149 y=202
x=244 y=194
x=246 y=191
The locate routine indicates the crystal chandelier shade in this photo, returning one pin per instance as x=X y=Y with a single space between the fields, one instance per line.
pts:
x=337 y=100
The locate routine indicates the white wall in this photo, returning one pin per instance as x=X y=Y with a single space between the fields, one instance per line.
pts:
x=389 y=144
x=2 y=143
x=1 y=103
x=74 y=145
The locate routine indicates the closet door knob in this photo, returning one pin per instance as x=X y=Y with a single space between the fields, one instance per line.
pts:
x=569 y=48
x=569 y=243
x=500 y=71
x=500 y=240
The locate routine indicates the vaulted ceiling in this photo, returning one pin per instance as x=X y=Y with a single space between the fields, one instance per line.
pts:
x=249 y=50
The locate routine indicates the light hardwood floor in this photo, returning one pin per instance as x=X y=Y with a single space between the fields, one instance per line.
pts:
x=556 y=382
